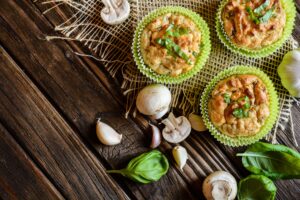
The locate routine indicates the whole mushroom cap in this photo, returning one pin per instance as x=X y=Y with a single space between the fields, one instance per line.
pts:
x=153 y=99
x=220 y=185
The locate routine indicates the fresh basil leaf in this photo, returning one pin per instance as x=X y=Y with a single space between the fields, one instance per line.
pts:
x=256 y=187
x=262 y=7
x=266 y=16
x=146 y=168
x=273 y=161
x=227 y=98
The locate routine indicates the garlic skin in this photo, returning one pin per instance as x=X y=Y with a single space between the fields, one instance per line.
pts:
x=156 y=136
x=106 y=134
x=197 y=122
x=180 y=156
x=220 y=185
x=154 y=100
x=289 y=72
x=177 y=129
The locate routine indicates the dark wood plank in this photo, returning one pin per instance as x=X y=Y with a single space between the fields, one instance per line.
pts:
x=78 y=92
x=230 y=152
x=79 y=95
x=52 y=144
x=20 y=178
x=80 y=109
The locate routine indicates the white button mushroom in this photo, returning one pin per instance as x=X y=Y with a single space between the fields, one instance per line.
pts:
x=177 y=129
x=154 y=100
x=220 y=185
x=115 y=11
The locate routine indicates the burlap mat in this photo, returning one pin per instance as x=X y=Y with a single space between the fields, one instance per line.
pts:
x=112 y=45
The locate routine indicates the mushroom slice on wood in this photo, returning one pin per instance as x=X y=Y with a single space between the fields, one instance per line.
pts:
x=177 y=129
x=115 y=11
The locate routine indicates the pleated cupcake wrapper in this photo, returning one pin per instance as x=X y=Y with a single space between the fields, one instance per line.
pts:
x=270 y=121
x=200 y=61
x=290 y=10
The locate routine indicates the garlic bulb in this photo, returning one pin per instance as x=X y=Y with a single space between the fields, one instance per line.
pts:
x=106 y=134
x=180 y=156
x=220 y=185
x=154 y=100
x=289 y=72
x=197 y=122
x=177 y=129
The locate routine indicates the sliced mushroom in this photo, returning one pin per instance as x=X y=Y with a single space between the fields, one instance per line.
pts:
x=177 y=129
x=220 y=185
x=115 y=11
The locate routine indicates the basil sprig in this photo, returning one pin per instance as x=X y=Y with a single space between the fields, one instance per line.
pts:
x=273 y=161
x=146 y=168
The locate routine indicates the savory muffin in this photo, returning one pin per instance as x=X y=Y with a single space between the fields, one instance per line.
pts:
x=253 y=24
x=239 y=105
x=170 y=44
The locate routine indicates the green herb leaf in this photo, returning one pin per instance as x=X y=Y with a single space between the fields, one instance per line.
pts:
x=274 y=161
x=252 y=15
x=240 y=113
x=256 y=187
x=172 y=48
x=145 y=168
x=227 y=98
x=262 y=7
x=266 y=16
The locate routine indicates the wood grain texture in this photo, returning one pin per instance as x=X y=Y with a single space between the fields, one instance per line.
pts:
x=53 y=145
x=76 y=90
x=20 y=178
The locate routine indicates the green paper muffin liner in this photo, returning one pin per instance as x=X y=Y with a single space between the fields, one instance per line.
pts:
x=270 y=121
x=290 y=10
x=200 y=61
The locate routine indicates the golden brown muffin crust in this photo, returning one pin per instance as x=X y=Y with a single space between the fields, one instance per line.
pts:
x=239 y=105
x=253 y=24
x=170 y=44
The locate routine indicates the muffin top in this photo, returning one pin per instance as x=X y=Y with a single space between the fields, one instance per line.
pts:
x=253 y=24
x=170 y=44
x=239 y=105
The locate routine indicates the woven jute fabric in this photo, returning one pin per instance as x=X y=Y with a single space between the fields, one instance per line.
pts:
x=112 y=46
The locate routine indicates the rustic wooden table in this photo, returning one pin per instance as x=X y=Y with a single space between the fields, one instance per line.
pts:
x=49 y=99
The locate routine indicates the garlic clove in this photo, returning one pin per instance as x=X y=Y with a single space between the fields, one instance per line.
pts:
x=106 y=134
x=220 y=185
x=197 y=122
x=180 y=156
x=156 y=137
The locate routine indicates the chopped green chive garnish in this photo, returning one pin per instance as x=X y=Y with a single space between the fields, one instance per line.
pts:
x=262 y=7
x=227 y=98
